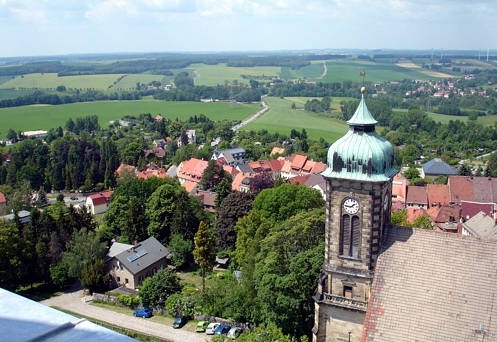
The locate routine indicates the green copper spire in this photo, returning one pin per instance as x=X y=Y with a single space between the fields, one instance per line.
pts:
x=361 y=154
x=362 y=116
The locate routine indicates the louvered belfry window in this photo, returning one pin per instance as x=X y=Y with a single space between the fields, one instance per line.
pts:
x=350 y=236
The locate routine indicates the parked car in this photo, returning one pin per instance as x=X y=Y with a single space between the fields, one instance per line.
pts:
x=143 y=312
x=234 y=332
x=211 y=328
x=222 y=329
x=201 y=326
x=179 y=322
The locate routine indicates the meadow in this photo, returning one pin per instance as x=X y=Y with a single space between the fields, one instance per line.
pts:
x=129 y=81
x=211 y=75
x=44 y=117
x=52 y=81
x=282 y=118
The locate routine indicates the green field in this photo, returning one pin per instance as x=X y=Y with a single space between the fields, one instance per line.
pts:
x=204 y=74
x=129 y=81
x=45 y=117
x=282 y=119
x=52 y=81
x=384 y=71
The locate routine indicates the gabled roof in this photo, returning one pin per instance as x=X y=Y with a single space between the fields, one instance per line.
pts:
x=277 y=150
x=470 y=209
x=245 y=167
x=417 y=195
x=437 y=167
x=125 y=167
x=299 y=180
x=461 y=189
x=298 y=161
x=189 y=186
x=481 y=225
x=143 y=255
x=101 y=198
x=117 y=248
x=446 y=293
x=238 y=180
x=438 y=194
x=445 y=213
x=192 y=169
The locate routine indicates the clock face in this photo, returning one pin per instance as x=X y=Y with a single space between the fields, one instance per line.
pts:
x=351 y=206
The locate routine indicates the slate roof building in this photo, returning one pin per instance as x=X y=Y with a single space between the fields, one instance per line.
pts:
x=480 y=225
x=131 y=266
x=437 y=167
x=233 y=156
x=385 y=283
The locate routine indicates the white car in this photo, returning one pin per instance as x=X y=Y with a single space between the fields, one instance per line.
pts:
x=211 y=328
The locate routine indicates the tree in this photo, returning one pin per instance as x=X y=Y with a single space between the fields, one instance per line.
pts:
x=261 y=181
x=213 y=174
x=181 y=249
x=93 y=275
x=234 y=206
x=204 y=251
x=155 y=291
x=465 y=170
x=411 y=173
x=15 y=252
x=84 y=248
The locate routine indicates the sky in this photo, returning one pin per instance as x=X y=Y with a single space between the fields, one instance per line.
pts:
x=60 y=27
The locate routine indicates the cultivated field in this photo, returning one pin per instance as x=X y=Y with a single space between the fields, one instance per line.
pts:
x=129 y=81
x=52 y=81
x=211 y=75
x=44 y=117
x=281 y=118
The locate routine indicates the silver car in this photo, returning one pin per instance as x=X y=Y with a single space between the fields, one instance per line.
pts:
x=211 y=328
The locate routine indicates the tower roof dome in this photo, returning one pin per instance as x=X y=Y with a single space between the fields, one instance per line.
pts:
x=361 y=154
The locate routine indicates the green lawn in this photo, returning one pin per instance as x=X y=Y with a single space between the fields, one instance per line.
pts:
x=44 y=117
x=281 y=118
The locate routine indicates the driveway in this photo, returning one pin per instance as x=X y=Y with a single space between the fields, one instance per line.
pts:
x=74 y=300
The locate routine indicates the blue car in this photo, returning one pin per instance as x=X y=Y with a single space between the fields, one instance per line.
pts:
x=143 y=312
x=222 y=329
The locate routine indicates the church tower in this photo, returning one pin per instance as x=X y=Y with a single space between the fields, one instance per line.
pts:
x=358 y=200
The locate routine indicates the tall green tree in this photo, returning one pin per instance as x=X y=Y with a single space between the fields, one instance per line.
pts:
x=204 y=250
x=84 y=248
x=155 y=290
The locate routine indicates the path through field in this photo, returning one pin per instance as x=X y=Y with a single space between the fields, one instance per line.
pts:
x=325 y=71
x=264 y=109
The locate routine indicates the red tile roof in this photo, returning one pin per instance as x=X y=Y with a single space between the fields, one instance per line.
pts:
x=101 y=198
x=461 y=189
x=417 y=195
x=470 y=209
x=192 y=169
x=298 y=161
x=445 y=213
x=438 y=194
x=2 y=198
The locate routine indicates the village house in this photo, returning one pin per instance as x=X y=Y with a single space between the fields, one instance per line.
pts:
x=191 y=170
x=480 y=225
x=437 y=167
x=99 y=203
x=233 y=156
x=130 y=265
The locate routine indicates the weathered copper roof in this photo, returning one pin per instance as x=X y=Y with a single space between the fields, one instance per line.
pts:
x=361 y=154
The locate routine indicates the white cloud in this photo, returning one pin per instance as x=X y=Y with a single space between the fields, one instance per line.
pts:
x=109 y=8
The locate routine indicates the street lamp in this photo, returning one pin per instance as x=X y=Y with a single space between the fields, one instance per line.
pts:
x=350 y=332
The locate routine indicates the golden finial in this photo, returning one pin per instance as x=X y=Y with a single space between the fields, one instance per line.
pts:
x=363 y=90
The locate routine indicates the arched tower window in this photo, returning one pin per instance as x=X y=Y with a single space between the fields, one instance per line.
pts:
x=350 y=236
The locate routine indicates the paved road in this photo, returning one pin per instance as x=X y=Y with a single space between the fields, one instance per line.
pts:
x=264 y=109
x=74 y=300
